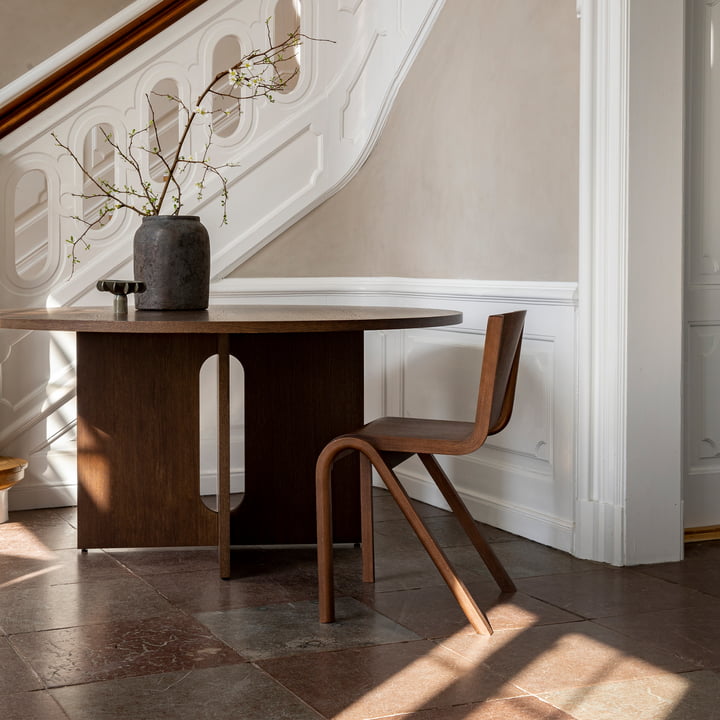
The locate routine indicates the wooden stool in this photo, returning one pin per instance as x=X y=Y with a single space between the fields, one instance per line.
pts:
x=11 y=472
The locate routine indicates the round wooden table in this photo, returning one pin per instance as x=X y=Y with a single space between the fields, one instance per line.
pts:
x=138 y=416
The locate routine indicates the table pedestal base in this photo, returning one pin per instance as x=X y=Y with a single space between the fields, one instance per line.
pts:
x=138 y=436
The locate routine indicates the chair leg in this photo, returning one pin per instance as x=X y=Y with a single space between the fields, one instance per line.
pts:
x=326 y=590
x=475 y=616
x=468 y=524
x=366 y=510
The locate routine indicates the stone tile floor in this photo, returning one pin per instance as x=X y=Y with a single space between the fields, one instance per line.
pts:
x=155 y=634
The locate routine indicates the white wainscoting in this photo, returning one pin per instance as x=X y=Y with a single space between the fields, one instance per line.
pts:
x=522 y=481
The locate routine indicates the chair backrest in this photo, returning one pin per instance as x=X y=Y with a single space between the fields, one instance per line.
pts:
x=498 y=377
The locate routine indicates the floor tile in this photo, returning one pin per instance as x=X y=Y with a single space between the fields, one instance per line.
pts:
x=294 y=628
x=29 y=568
x=699 y=570
x=38 y=705
x=385 y=508
x=284 y=564
x=133 y=633
x=689 y=696
x=122 y=649
x=237 y=692
x=15 y=674
x=521 y=708
x=689 y=633
x=448 y=532
x=205 y=591
x=550 y=657
x=438 y=519
x=69 y=514
x=377 y=681
x=403 y=570
x=41 y=531
x=166 y=560
x=495 y=535
x=47 y=607
x=521 y=558
x=396 y=534
x=41 y=517
x=427 y=511
x=608 y=592
x=433 y=612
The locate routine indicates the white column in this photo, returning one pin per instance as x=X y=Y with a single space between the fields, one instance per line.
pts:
x=630 y=282
x=602 y=280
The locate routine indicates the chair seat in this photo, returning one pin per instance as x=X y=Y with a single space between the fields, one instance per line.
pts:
x=417 y=435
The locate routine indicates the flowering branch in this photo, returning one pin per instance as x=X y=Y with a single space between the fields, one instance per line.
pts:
x=256 y=75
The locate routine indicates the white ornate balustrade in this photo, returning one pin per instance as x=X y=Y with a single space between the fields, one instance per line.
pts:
x=289 y=156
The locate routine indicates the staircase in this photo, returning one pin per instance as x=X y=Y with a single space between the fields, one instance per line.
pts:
x=288 y=157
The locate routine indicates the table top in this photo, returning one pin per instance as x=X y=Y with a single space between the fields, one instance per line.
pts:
x=221 y=319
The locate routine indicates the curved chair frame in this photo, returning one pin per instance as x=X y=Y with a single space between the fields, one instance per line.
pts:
x=386 y=442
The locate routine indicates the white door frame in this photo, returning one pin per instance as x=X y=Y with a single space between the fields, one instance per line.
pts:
x=629 y=447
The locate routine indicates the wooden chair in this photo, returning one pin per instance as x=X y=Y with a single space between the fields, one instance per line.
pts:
x=386 y=442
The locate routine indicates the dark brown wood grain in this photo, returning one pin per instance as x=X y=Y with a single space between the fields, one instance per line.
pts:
x=301 y=390
x=138 y=445
x=229 y=319
x=89 y=63
x=138 y=438
x=138 y=441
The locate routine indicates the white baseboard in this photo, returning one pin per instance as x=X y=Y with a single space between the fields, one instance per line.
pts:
x=523 y=521
x=606 y=543
x=42 y=496
x=208 y=483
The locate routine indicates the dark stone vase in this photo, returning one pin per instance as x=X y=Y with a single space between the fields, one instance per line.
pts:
x=172 y=256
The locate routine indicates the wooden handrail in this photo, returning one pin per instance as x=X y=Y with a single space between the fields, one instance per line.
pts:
x=89 y=63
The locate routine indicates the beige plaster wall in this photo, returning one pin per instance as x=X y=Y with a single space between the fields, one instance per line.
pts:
x=33 y=30
x=476 y=172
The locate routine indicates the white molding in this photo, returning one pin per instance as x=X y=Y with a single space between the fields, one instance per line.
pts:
x=603 y=289
x=208 y=482
x=534 y=293
x=607 y=522
x=29 y=497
